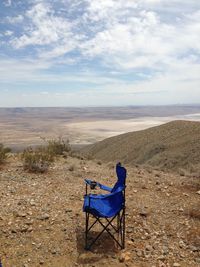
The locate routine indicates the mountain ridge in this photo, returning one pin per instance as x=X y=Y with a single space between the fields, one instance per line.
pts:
x=171 y=146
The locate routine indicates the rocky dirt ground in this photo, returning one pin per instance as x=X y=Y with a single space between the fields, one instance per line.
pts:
x=42 y=223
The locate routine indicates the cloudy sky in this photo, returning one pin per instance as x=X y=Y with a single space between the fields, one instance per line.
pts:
x=99 y=52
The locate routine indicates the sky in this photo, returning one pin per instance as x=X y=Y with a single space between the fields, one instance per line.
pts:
x=99 y=52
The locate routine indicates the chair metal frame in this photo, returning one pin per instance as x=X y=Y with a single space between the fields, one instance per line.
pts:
x=116 y=223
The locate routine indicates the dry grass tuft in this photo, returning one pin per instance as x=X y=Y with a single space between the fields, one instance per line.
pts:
x=3 y=153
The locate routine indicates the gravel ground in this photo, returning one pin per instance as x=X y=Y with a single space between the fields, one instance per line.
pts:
x=42 y=223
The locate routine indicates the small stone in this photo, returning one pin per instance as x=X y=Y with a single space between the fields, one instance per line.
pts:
x=32 y=202
x=20 y=214
x=29 y=222
x=193 y=248
x=125 y=256
x=197 y=260
x=176 y=264
x=30 y=229
x=198 y=192
x=143 y=213
x=149 y=248
x=24 y=229
x=68 y=210
x=129 y=230
x=13 y=231
x=130 y=242
x=44 y=217
x=165 y=250
x=144 y=187
x=161 y=257
x=181 y=244
x=55 y=251
x=38 y=246
x=139 y=253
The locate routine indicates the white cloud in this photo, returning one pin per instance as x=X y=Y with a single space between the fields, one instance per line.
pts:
x=124 y=34
x=8 y=33
x=25 y=72
x=45 y=28
x=143 y=40
x=158 y=41
x=8 y=2
x=14 y=19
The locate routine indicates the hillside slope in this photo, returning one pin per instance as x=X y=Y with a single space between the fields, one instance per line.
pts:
x=172 y=146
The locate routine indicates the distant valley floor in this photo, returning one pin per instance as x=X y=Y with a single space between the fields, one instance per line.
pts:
x=21 y=127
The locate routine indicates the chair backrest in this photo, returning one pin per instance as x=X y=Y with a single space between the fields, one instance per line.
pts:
x=121 y=175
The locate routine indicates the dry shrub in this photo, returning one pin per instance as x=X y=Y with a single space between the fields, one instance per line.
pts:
x=39 y=159
x=194 y=213
x=3 y=153
x=58 y=146
x=193 y=236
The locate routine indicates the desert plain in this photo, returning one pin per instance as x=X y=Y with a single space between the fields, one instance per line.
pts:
x=22 y=127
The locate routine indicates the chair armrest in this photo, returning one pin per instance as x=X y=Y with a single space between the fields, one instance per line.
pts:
x=87 y=181
x=104 y=187
x=101 y=186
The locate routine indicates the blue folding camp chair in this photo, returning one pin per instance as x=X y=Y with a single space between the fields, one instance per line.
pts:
x=105 y=208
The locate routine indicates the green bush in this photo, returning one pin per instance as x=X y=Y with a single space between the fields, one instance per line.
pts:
x=3 y=153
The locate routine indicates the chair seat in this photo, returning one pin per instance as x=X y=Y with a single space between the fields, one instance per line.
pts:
x=106 y=205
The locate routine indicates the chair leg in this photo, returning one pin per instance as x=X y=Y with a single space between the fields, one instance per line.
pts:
x=118 y=223
x=86 y=229
x=119 y=229
x=124 y=229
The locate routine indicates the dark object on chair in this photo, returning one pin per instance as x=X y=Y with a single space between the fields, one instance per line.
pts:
x=107 y=207
x=93 y=184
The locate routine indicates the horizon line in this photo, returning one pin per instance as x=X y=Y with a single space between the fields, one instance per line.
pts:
x=105 y=106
